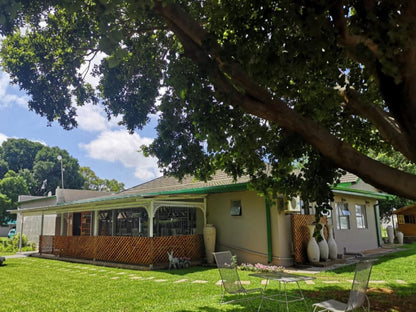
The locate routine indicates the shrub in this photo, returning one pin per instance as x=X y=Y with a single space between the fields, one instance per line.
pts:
x=12 y=245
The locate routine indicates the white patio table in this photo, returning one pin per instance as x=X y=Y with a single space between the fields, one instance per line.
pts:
x=283 y=278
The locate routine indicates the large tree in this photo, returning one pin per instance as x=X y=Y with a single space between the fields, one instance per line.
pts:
x=92 y=182
x=316 y=83
x=47 y=168
x=19 y=153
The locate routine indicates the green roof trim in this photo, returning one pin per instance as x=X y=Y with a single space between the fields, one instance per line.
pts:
x=340 y=187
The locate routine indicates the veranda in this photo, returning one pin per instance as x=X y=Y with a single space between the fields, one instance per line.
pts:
x=138 y=232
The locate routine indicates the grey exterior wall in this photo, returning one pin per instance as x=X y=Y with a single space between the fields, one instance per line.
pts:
x=246 y=235
x=355 y=239
x=32 y=226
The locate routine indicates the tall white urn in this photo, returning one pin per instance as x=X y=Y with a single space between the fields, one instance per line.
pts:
x=323 y=247
x=209 y=242
x=313 y=248
x=399 y=236
x=332 y=244
x=390 y=234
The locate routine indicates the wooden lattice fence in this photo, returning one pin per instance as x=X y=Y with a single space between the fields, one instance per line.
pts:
x=124 y=249
x=301 y=235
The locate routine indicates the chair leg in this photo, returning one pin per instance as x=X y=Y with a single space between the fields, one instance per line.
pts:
x=222 y=294
x=315 y=309
x=261 y=302
x=368 y=305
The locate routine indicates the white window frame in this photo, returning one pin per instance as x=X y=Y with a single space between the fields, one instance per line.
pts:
x=343 y=216
x=361 y=216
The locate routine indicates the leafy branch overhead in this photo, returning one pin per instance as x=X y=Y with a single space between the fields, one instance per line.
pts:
x=316 y=85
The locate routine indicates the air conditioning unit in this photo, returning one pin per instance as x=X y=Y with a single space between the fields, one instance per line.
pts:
x=294 y=204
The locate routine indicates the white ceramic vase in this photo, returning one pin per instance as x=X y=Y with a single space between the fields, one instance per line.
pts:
x=323 y=247
x=399 y=236
x=313 y=248
x=332 y=244
x=209 y=242
x=390 y=234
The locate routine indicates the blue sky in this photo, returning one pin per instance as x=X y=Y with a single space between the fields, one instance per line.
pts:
x=108 y=149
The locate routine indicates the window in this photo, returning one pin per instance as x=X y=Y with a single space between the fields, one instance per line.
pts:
x=123 y=222
x=400 y=219
x=171 y=221
x=235 y=208
x=131 y=222
x=361 y=216
x=343 y=216
x=409 y=219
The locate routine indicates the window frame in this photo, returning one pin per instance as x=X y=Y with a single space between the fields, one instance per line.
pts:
x=363 y=224
x=343 y=216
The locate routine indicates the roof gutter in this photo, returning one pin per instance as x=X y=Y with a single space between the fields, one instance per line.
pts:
x=349 y=191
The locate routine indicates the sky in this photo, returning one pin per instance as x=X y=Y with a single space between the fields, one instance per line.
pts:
x=108 y=149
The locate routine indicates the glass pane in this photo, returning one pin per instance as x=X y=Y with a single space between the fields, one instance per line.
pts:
x=360 y=223
x=344 y=222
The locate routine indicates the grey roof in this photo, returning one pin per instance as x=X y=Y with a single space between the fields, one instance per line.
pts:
x=349 y=177
x=168 y=183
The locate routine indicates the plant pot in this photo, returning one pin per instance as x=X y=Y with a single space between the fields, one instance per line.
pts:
x=323 y=247
x=332 y=244
x=390 y=234
x=312 y=248
x=209 y=242
x=399 y=236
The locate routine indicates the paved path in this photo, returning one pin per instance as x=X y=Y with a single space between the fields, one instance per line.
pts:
x=21 y=254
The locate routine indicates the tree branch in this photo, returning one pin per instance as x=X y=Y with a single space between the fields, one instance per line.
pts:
x=389 y=129
x=257 y=101
x=349 y=40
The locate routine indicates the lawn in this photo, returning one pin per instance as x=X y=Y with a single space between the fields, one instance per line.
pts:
x=34 y=284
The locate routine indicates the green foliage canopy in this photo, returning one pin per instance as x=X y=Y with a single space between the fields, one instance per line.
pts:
x=244 y=83
x=93 y=182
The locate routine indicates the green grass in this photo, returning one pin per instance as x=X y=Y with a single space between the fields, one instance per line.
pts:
x=32 y=284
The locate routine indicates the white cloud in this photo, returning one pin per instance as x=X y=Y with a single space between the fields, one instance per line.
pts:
x=6 y=98
x=93 y=118
x=3 y=138
x=120 y=146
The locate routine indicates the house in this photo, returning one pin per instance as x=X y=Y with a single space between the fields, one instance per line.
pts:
x=35 y=223
x=406 y=222
x=140 y=225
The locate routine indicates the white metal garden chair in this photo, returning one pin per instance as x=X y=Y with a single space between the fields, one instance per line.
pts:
x=358 y=294
x=230 y=281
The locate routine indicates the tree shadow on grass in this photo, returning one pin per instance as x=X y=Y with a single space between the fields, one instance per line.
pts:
x=383 y=298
